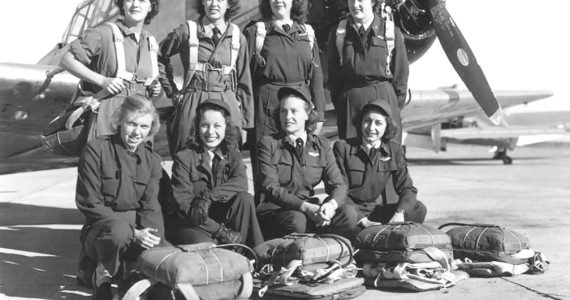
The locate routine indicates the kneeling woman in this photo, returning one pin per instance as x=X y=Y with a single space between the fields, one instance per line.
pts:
x=209 y=184
x=369 y=162
x=291 y=163
x=117 y=191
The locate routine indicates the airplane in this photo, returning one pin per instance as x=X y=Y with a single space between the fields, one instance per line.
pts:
x=34 y=98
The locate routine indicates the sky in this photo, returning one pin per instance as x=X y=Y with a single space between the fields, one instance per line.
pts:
x=520 y=44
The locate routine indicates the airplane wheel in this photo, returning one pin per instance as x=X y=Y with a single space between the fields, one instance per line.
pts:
x=507 y=160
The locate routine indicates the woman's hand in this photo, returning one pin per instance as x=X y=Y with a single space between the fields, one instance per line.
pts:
x=113 y=85
x=327 y=211
x=199 y=210
x=398 y=217
x=145 y=238
x=313 y=212
x=155 y=88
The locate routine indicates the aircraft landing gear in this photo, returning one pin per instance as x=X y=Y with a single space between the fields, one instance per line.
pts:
x=501 y=154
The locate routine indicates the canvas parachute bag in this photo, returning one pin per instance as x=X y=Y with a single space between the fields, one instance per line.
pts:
x=198 y=271
x=492 y=250
x=307 y=266
x=407 y=255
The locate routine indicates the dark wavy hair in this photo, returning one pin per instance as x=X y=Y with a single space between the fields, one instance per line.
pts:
x=298 y=10
x=311 y=123
x=138 y=106
x=231 y=131
x=233 y=8
x=153 y=10
x=391 y=127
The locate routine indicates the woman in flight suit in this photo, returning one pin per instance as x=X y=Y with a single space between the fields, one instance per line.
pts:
x=361 y=65
x=283 y=52
x=369 y=162
x=209 y=184
x=292 y=162
x=117 y=191
x=94 y=58
x=214 y=68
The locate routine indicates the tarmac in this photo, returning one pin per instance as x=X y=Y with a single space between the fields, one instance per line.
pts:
x=39 y=223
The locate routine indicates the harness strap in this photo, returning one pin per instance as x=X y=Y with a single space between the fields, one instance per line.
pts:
x=260 y=33
x=389 y=33
x=310 y=32
x=235 y=45
x=340 y=35
x=122 y=72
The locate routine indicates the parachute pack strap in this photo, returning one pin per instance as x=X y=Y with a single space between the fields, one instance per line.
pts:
x=389 y=34
x=235 y=45
x=193 y=44
x=153 y=50
x=311 y=34
x=118 y=39
x=340 y=36
x=260 y=33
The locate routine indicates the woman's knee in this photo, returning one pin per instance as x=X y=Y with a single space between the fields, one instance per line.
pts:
x=117 y=231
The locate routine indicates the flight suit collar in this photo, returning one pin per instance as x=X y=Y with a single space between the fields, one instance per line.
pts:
x=206 y=30
x=127 y=32
x=374 y=27
x=286 y=141
x=357 y=146
x=295 y=28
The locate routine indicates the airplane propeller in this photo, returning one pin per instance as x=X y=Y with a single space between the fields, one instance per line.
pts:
x=463 y=60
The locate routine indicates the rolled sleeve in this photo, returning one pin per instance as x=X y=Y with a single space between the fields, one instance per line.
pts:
x=400 y=70
x=88 y=46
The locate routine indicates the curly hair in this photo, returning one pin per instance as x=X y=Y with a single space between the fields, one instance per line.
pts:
x=298 y=10
x=133 y=107
x=233 y=8
x=231 y=137
x=153 y=10
x=391 y=127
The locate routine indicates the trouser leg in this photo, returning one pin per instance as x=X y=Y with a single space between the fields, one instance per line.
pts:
x=383 y=213
x=279 y=223
x=241 y=216
x=107 y=241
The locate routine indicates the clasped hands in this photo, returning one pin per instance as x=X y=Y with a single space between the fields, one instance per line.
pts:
x=322 y=214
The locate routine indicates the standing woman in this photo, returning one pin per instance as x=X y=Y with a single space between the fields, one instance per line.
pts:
x=216 y=66
x=117 y=191
x=116 y=60
x=370 y=162
x=209 y=184
x=367 y=60
x=291 y=163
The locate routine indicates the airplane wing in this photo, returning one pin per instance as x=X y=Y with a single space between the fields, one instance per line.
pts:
x=499 y=132
x=430 y=107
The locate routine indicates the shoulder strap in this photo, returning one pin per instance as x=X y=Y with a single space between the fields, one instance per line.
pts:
x=389 y=33
x=260 y=32
x=153 y=50
x=119 y=52
x=235 y=45
x=311 y=34
x=193 y=44
x=340 y=35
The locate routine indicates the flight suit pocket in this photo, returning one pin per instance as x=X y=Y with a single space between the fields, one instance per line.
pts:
x=387 y=165
x=110 y=181
x=380 y=49
x=355 y=172
x=141 y=183
x=315 y=167
x=284 y=169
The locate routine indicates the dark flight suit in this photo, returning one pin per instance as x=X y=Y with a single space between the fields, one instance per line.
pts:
x=117 y=191
x=95 y=49
x=367 y=178
x=286 y=58
x=288 y=180
x=227 y=182
x=233 y=88
x=363 y=77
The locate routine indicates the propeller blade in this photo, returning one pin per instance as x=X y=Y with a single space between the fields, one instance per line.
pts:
x=463 y=60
